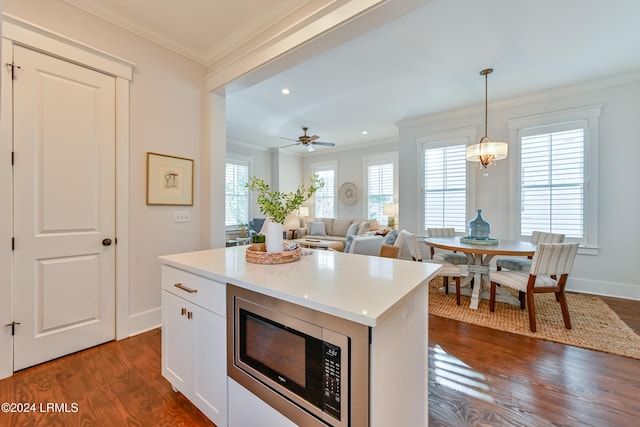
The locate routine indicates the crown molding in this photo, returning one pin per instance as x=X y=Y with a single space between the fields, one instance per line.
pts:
x=246 y=146
x=525 y=99
x=153 y=35
x=263 y=29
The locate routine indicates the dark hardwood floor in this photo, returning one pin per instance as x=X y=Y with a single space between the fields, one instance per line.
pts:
x=477 y=377
x=484 y=377
x=114 y=384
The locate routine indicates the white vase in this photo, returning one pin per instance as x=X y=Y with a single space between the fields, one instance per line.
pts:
x=274 y=236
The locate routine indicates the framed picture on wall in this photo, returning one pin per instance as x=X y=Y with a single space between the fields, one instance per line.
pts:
x=169 y=180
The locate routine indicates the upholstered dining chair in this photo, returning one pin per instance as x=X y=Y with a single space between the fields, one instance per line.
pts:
x=448 y=271
x=550 y=261
x=524 y=264
x=446 y=256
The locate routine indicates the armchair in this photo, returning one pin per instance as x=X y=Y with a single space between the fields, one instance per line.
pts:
x=255 y=225
x=389 y=251
x=366 y=245
x=408 y=246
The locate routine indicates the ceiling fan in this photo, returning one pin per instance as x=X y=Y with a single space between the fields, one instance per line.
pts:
x=308 y=141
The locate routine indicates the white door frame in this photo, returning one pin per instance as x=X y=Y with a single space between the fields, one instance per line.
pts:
x=17 y=31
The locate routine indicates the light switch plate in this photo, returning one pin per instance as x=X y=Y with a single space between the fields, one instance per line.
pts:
x=181 y=216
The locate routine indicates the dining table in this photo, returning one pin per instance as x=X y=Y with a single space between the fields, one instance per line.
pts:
x=480 y=255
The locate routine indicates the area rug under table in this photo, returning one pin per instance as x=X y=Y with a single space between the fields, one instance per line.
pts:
x=594 y=325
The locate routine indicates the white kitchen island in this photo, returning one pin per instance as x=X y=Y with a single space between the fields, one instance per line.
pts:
x=387 y=295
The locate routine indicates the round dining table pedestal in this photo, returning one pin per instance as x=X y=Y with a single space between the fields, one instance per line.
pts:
x=480 y=257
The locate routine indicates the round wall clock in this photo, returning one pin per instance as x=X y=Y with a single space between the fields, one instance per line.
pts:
x=348 y=193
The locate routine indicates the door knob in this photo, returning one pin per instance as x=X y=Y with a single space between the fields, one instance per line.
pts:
x=106 y=242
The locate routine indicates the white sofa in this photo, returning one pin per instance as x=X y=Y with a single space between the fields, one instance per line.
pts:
x=335 y=229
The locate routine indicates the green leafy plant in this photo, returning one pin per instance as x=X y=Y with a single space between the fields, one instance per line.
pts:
x=278 y=205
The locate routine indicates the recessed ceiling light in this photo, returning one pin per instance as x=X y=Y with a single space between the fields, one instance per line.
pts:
x=364 y=132
x=285 y=91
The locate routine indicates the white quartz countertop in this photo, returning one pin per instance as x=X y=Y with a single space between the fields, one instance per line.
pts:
x=354 y=287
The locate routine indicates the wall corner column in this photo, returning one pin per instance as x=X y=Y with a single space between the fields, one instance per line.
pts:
x=217 y=155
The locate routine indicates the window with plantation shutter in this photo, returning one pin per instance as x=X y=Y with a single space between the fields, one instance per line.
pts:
x=380 y=189
x=445 y=185
x=552 y=182
x=236 y=195
x=325 y=198
x=555 y=165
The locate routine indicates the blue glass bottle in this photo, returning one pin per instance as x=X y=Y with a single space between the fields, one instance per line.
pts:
x=478 y=227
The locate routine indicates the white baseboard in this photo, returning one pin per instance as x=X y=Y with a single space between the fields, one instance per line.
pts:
x=609 y=289
x=145 y=321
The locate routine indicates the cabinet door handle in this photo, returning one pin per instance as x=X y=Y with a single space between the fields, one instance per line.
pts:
x=190 y=315
x=184 y=288
x=183 y=311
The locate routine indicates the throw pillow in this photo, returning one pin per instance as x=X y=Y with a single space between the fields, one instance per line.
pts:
x=316 y=228
x=390 y=238
x=328 y=226
x=353 y=229
x=364 y=227
x=340 y=227
x=347 y=244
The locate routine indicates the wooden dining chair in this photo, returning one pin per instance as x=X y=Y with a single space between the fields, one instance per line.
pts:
x=550 y=261
x=446 y=256
x=448 y=271
x=524 y=264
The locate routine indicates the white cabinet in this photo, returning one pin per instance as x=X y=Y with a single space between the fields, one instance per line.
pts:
x=194 y=355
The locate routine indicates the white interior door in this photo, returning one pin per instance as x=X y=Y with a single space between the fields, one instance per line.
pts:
x=64 y=201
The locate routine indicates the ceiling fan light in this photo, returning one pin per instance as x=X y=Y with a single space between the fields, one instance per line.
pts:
x=309 y=148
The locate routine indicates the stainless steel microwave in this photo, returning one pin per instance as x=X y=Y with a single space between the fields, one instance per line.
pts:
x=282 y=349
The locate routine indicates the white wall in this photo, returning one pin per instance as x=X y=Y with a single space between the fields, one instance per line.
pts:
x=609 y=272
x=290 y=172
x=166 y=117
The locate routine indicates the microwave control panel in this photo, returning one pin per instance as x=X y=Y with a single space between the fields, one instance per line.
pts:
x=331 y=381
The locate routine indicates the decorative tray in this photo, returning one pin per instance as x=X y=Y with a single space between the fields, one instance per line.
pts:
x=256 y=255
x=474 y=241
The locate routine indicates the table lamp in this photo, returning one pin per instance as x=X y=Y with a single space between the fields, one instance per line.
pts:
x=303 y=213
x=391 y=210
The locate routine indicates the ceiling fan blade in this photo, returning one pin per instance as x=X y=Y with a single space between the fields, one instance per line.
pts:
x=326 y=144
x=313 y=138
x=290 y=139
x=290 y=145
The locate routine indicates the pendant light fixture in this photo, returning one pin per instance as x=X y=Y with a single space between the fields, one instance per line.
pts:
x=486 y=152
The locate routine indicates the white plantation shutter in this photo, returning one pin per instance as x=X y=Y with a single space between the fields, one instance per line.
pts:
x=236 y=195
x=325 y=198
x=380 y=185
x=552 y=180
x=445 y=186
